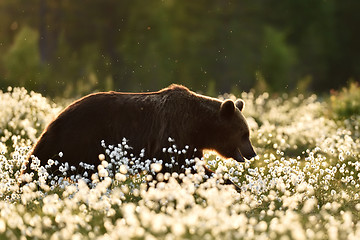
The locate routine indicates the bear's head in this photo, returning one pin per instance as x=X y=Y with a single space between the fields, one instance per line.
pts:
x=235 y=133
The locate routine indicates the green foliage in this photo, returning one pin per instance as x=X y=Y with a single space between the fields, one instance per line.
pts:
x=278 y=60
x=130 y=47
x=22 y=61
x=345 y=104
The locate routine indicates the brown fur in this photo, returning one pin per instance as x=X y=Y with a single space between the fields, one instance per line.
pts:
x=147 y=120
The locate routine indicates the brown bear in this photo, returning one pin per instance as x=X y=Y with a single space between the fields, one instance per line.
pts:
x=146 y=120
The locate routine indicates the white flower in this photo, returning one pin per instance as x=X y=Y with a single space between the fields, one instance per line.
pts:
x=309 y=205
x=2 y=226
x=103 y=173
x=123 y=169
x=156 y=167
x=101 y=157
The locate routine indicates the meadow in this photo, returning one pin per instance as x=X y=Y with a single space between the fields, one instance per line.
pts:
x=304 y=183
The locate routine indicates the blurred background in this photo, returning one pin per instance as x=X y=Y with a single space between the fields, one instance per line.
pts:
x=66 y=48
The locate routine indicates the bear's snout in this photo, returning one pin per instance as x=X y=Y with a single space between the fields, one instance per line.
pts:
x=253 y=154
x=247 y=151
x=241 y=152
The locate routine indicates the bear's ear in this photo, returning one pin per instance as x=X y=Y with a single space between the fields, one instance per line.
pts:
x=240 y=104
x=227 y=108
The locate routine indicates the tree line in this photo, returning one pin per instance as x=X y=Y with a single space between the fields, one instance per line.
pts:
x=68 y=48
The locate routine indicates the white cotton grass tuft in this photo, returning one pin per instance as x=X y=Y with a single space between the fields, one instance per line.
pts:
x=156 y=167
x=304 y=184
x=101 y=157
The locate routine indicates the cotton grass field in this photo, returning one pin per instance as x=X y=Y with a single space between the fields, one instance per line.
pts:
x=304 y=183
